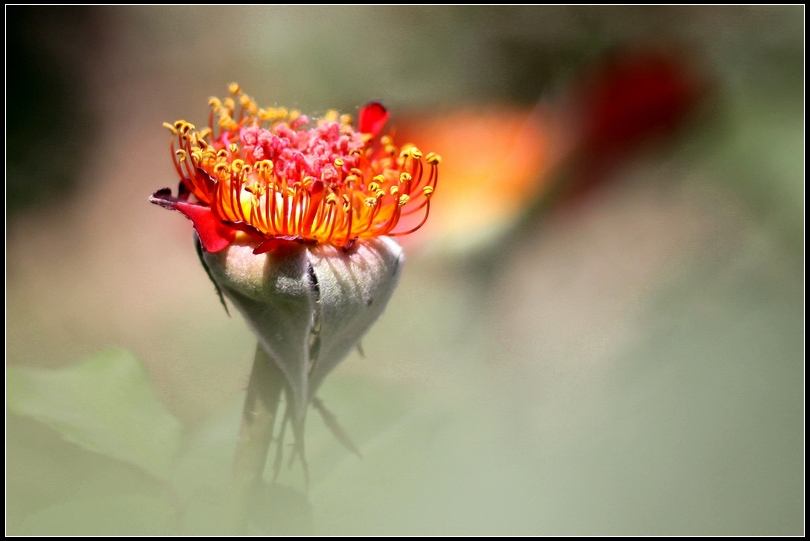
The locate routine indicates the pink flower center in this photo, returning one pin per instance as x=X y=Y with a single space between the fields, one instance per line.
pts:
x=300 y=153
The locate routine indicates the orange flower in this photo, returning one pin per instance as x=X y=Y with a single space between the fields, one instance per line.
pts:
x=293 y=221
x=497 y=162
x=263 y=172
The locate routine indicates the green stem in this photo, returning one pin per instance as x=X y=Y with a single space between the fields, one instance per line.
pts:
x=255 y=434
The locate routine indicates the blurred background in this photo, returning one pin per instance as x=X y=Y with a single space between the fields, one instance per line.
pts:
x=599 y=331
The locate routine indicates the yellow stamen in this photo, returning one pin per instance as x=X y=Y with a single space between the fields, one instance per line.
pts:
x=289 y=198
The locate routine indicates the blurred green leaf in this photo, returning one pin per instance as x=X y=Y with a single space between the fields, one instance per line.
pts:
x=203 y=468
x=118 y=515
x=106 y=404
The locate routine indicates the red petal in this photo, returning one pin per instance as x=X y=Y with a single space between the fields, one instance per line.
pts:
x=214 y=235
x=278 y=244
x=372 y=118
x=267 y=245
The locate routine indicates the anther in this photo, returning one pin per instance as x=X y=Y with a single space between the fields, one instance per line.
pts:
x=415 y=153
x=404 y=177
x=170 y=128
x=427 y=190
x=403 y=199
x=234 y=88
x=264 y=165
x=433 y=159
x=209 y=154
x=338 y=162
x=225 y=121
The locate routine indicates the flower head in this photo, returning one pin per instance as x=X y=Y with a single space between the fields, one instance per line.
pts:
x=270 y=175
x=292 y=221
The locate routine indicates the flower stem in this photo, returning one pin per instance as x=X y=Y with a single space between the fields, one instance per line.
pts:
x=255 y=434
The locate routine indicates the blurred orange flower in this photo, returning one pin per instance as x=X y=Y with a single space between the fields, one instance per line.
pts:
x=496 y=160
x=501 y=159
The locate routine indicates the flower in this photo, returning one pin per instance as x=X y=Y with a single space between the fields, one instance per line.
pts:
x=261 y=172
x=498 y=161
x=293 y=223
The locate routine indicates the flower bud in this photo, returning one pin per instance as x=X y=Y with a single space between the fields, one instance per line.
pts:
x=309 y=305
